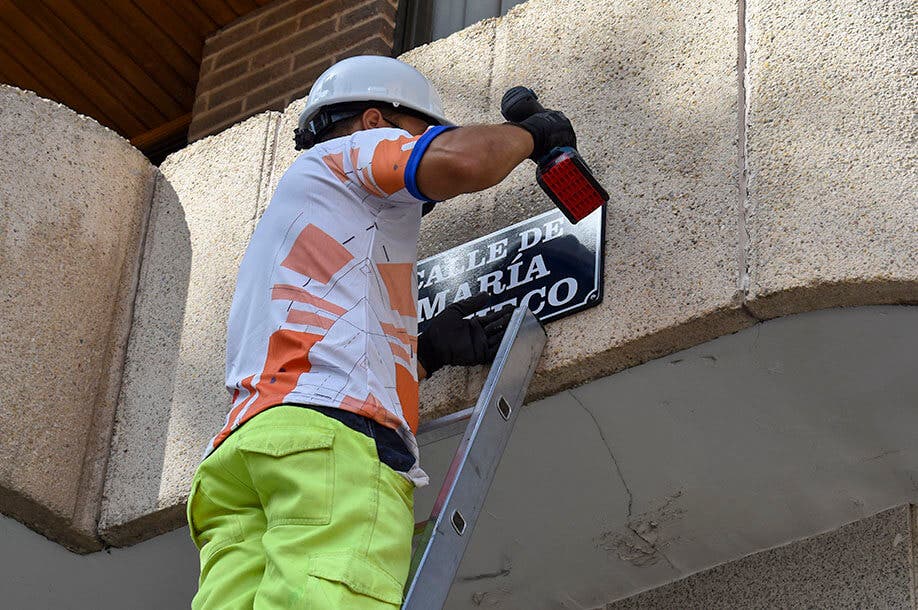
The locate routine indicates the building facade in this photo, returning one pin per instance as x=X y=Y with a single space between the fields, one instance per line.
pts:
x=760 y=161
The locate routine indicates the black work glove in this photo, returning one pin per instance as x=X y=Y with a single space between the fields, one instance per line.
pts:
x=548 y=130
x=451 y=339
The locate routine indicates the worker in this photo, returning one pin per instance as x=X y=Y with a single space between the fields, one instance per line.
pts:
x=305 y=497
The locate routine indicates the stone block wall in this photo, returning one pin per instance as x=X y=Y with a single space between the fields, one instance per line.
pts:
x=830 y=211
x=74 y=198
x=266 y=59
x=665 y=149
x=207 y=200
x=690 y=114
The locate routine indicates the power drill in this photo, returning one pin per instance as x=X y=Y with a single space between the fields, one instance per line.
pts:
x=562 y=173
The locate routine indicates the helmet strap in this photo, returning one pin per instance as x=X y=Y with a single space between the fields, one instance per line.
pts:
x=325 y=120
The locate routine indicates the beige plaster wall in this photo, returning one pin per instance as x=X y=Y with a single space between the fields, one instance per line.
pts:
x=73 y=204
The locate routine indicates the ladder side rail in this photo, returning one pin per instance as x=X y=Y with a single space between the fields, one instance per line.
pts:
x=455 y=513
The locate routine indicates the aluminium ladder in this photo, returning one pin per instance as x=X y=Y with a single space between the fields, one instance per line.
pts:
x=452 y=520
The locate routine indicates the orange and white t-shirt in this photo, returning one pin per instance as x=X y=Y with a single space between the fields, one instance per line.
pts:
x=325 y=306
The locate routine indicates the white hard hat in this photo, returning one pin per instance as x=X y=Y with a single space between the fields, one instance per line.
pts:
x=373 y=78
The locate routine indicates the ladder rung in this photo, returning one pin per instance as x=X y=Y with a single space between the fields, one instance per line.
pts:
x=444 y=427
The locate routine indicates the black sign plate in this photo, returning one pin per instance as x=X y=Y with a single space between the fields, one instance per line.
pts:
x=545 y=262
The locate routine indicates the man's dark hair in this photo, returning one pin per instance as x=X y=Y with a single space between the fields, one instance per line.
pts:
x=331 y=122
x=338 y=129
x=337 y=120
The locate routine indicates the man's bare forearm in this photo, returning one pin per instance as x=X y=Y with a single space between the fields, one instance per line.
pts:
x=470 y=159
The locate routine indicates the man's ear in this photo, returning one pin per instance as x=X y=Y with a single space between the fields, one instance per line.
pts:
x=371 y=118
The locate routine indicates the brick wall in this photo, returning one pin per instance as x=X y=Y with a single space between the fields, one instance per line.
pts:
x=268 y=58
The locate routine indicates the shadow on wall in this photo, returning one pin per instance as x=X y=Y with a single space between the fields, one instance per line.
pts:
x=159 y=312
x=37 y=573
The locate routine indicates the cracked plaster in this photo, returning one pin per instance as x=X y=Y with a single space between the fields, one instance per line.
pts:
x=861 y=565
x=710 y=443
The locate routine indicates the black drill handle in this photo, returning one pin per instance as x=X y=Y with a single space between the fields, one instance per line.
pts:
x=517 y=105
x=520 y=103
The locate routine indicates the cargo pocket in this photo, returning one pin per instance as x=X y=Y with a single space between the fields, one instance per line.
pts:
x=293 y=471
x=193 y=529
x=360 y=575
x=211 y=527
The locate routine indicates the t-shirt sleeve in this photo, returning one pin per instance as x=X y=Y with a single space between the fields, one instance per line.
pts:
x=384 y=162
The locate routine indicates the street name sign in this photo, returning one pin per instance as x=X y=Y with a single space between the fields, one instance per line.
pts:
x=545 y=262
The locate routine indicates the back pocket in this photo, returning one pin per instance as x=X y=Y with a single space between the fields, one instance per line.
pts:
x=293 y=471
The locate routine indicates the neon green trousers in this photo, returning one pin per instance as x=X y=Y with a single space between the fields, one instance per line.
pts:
x=295 y=510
